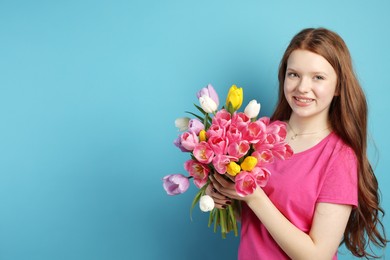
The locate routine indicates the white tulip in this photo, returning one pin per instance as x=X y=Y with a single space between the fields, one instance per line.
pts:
x=182 y=123
x=252 y=109
x=206 y=203
x=208 y=104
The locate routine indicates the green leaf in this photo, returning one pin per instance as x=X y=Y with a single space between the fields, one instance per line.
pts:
x=211 y=218
x=216 y=222
x=230 y=108
x=233 y=220
x=195 y=115
x=222 y=221
x=200 y=193
x=200 y=109
x=208 y=120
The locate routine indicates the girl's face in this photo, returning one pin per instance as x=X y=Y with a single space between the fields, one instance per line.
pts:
x=309 y=85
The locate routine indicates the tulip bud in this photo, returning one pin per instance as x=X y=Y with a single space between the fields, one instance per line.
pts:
x=195 y=125
x=233 y=168
x=202 y=135
x=206 y=203
x=210 y=92
x=252 y=109
x=182 y=123
x=249 y=163
x=234 y=99
x=175 y=184
x=207 y=104
x=177 y=143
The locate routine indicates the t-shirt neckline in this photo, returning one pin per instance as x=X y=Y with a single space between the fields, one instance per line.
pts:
x=319 y=144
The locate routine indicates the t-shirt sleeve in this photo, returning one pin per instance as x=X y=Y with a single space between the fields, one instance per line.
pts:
x=340 y=185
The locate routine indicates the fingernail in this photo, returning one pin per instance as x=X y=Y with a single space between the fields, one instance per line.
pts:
x=214 y=190
x=224 y=206
x=228 y=202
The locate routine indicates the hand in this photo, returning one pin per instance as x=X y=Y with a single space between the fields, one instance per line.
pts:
x=222 y=190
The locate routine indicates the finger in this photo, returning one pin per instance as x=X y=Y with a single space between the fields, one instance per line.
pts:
x=220 y=200
x=232 y=178
x=216 y=195
x=224 y=193
x=223 y=181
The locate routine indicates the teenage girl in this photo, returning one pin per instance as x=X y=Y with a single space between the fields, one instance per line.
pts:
x=326 y=193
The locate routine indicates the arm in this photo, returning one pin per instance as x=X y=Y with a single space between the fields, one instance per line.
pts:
x=324 y=237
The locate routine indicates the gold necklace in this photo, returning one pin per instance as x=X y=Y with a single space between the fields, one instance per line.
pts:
x=296 y=134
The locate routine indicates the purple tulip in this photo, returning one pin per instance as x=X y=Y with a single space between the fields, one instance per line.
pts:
x=210 y=92
x=177 y=143
x=195 y=125
x=175 y=184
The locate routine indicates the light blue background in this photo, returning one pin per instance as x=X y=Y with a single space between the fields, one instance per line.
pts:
x=89 y=91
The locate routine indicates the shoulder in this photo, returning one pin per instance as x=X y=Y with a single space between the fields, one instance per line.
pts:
x=342 y=165
x=340 y=184
x=340 y=150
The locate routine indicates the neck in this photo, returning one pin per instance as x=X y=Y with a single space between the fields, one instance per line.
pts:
x=308 y=125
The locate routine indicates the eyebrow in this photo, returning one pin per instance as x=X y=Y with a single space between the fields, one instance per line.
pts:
x=313 y=72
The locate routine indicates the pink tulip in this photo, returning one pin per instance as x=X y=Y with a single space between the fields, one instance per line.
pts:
x=255 y=132
x=238 y=149
x=265 y=120
x=282 y=151
x=276 y=132
x=262 y=146
x=241 y=121
x=175 y=184
x=199 y=171
x=245 y=183
x=189 y=140
x=233 y=134
x=221 y=161
x=216 y=130
x=263 y=157
x=203 y=152
x=218 y=144
x=261 y=175
x=178 y=144
x=222 y=118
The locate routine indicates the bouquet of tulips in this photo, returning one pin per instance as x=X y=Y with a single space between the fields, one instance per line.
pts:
x=226 y=141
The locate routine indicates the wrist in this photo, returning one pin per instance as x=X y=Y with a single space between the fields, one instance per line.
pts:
x=256 y=198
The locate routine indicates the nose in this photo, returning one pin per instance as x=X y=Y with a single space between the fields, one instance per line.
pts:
x=304 y=85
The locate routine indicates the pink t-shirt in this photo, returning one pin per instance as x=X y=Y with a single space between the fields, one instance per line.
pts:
x=326 y=172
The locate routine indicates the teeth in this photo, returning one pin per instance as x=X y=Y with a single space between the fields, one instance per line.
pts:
x=304 y=100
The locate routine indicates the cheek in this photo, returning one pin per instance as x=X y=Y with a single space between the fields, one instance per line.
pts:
x=287 y=94
x=326 y=94
x=289 y=85
x=287 y=88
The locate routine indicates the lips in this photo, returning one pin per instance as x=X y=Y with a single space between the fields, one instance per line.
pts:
x=303 y=99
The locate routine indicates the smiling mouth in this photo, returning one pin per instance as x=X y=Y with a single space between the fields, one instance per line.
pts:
x=303 y=100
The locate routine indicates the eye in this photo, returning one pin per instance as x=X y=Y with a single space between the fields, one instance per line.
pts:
x=319 y=77
x=292 y=75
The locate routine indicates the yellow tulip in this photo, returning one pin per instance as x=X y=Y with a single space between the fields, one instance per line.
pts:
x=234 y=99
x=233 y=169
x=202 y=135
x=249 y=163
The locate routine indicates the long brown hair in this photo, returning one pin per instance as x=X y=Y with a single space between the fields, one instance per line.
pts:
x=348 y=118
